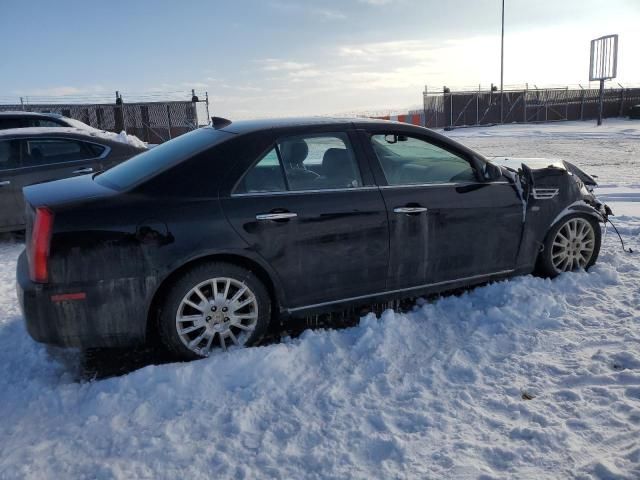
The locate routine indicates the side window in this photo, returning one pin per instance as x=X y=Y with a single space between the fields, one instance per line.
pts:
x=9 y=154
x=45 y=123
x=407 y=160
x=94 y=149
x=319 y=162
x=265 y=176
x=6 y=123
x=306 y=162
x=42 y=152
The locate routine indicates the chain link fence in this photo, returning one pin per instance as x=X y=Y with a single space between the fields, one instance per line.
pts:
x=153 y=122
x=456 y=109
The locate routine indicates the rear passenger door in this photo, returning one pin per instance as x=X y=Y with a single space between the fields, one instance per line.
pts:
x=47 y=159
x=307 y=207
x=11 y=210
x=445 y=223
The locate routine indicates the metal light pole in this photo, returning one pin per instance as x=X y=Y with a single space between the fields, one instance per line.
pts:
x=502 y=67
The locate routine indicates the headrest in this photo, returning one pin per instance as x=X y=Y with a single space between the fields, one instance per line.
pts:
x=294 y=152
x=336 y=158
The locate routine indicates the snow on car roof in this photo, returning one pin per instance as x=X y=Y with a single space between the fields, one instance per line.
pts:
x=121 y=137
x=13 y=113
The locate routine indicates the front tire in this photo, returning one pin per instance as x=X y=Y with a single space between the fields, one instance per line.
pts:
x=571 y=244
x=214 y=305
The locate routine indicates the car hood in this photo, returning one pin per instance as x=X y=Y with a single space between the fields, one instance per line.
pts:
x=66 y=191
x=514 y=163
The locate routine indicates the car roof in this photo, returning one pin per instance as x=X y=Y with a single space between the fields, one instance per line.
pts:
x=67 y=132
x=248 y=126
x=371 y=124
x=20 y=113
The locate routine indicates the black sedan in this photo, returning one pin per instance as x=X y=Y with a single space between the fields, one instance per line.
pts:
x=35 y=155
x=203 y=241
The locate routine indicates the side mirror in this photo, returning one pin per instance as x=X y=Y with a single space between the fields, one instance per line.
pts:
x=393 y=138
x=491 y=172
x=528 y=181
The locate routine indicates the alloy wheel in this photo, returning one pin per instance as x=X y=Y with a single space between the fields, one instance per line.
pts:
x=219 y=312
x=573 y=245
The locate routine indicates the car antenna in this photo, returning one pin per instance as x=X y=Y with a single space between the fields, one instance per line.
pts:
x=219 y=122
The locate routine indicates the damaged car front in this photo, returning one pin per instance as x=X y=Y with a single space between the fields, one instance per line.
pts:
x=559 y=203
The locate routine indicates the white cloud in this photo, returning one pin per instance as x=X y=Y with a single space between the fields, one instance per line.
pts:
x=328 y=14
x=322 y=12
x=275 y=64
x=376 y=2
x=67 y=90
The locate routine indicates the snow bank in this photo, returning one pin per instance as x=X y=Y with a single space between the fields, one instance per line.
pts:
x=438 y=392
x=122 y=137
x=610 y=128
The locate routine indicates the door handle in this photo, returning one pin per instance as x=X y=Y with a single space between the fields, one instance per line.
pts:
x=409 y=209
x=83 y=170
x=276 y=216
x=4 y=183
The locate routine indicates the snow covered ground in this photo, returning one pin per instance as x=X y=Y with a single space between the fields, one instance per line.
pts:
x=526 y=378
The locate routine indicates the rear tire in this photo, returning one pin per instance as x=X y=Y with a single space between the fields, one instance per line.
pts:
x=213 y=305
x=571 y=244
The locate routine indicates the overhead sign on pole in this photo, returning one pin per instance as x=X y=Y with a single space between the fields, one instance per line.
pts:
x=604 y=58
x=603 y=64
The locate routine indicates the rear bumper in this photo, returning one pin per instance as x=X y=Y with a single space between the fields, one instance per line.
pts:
x=111 y=313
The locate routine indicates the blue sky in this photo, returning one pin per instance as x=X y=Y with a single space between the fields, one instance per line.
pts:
x=281 y=57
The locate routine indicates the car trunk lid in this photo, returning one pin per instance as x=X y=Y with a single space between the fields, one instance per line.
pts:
x=66 y=191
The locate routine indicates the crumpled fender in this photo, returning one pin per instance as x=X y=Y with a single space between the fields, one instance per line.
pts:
x=581 y=206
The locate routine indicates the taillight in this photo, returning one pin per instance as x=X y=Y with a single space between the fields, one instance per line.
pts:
x=39 y=247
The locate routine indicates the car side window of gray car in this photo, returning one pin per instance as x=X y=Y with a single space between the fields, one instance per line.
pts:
x=407 y=160
x=304 y=163
x=45 y=123
x=9 y=154
x=6 y=123
x=48 y=151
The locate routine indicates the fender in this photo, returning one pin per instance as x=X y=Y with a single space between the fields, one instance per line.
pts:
x=579 y=206
x=241 y=253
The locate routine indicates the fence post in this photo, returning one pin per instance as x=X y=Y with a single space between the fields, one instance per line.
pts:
x=621 y=112
x=206 y=96
x=581 y=103
x=424 y=106
x=169 y=120
x=566 y=105
x=524 y=99
x=546 y=107
x=118 y=112
x=144 y=114
x=601 y=102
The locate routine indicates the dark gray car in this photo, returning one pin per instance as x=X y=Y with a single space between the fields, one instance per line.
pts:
x=36 y=155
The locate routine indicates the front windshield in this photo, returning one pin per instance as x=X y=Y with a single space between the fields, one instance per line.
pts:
x=148 y=164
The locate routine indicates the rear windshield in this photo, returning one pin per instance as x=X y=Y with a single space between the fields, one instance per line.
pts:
x=148 y=164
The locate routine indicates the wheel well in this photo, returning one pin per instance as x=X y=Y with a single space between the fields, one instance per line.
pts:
x=590 y=215
x=256 y=268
